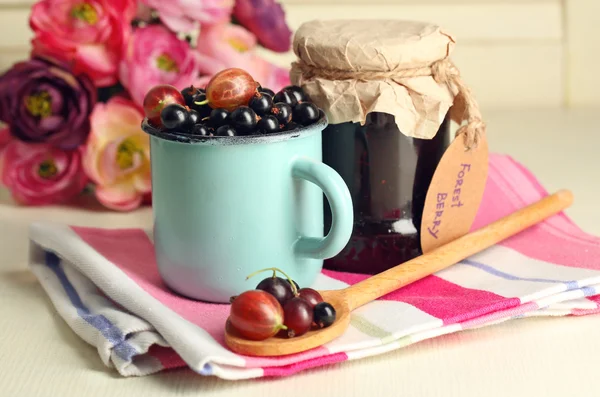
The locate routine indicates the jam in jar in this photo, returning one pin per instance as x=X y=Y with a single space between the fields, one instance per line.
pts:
x=388 y=175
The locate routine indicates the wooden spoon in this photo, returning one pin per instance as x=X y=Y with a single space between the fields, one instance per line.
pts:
x=346 y=300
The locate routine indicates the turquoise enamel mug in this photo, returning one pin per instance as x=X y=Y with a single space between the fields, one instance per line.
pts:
x=225 y=207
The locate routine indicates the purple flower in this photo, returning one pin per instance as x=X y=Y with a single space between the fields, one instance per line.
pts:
x=43 y=102
x=266 y=19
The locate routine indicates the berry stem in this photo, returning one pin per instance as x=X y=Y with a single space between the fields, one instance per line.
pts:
x=204 y=102
x=274 y=269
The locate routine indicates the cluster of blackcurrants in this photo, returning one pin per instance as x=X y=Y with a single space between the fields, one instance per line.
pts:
x=279 y=305
x=266 y=112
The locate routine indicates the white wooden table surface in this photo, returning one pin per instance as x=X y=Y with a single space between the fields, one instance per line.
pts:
x=41 y=356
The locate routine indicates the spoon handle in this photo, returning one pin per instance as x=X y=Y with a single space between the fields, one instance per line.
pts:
x=456 y=250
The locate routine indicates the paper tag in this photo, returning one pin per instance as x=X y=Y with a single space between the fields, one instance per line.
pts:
x=454 y=194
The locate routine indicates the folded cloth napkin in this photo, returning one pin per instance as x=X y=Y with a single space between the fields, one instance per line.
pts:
x=106 y=286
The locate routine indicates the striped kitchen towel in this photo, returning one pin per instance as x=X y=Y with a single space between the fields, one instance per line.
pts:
x=106 y=286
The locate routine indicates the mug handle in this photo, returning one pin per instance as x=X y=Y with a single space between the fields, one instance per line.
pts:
x=338 y=195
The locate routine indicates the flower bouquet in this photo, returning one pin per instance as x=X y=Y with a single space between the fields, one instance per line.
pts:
x=72 y=113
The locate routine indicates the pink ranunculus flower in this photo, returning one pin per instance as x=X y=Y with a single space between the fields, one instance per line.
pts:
x=181 y=15
x=39 y=174
x=156 y=56
x=89 y=35
x=116 y=156
x=231 y=46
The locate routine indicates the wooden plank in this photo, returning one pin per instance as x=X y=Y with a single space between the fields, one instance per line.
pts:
x=466 y=22
x=14 y=28
x=513 y=75
x=8 y=58
x=583 y=56
x=16 y=3
x=387 y=2
x=26 y=3
x=502 y=75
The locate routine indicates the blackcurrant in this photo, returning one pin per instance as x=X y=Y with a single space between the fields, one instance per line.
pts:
x=298 y=92
x=243 y=119
x=218 y=117
x=306 y=113
x=201 y=129
x=174 y=117
x=323 y=314
x=297 y=316
x=261 y=103
x=296 y=284
x=278 y=287
x=226 y=130
x=189 y=95
x=194 y=116
x=286 y=97
x=267 y=125
x=283 y=112
x=292 y=126
x=204 y=110
x=266 y=91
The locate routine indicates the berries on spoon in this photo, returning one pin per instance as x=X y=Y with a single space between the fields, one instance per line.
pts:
x=283 y=112
x=174 y=117
x=243 y=119
x=295 y=284
x=261 y=103
x=305 y=113
x=301 y=307
x=310 y=295
x=226 y=130
x=157 y=98
x=229 y=89
x=323 y=314
x=286 y=97
x=278 y=287
x=267 y=125
x=298 y=316
x=256 y=315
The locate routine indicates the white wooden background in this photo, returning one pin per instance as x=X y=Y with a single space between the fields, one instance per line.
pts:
x=534 y=53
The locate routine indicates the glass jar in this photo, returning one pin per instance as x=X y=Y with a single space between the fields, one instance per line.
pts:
x=388 y=175
x=390 y=90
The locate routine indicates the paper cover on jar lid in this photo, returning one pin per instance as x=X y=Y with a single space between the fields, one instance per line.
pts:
x=348 y=47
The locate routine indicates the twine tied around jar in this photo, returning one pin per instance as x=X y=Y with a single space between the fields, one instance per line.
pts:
x=442 y=71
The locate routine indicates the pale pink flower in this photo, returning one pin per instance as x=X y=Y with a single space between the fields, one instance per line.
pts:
x=89 y=35
x=230 y=46
x=181 y=15
x=39 y=174
x=156 y=56
x=116 y=156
